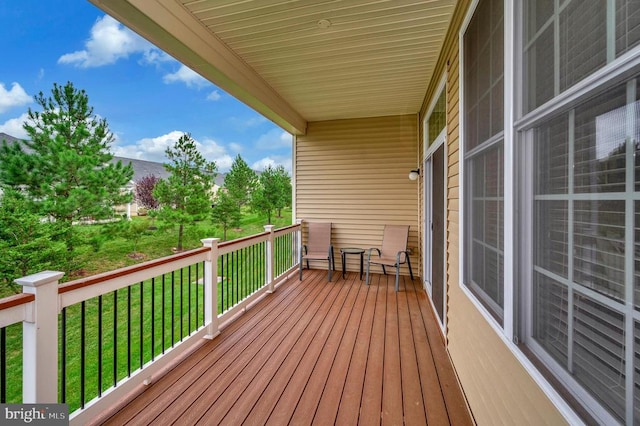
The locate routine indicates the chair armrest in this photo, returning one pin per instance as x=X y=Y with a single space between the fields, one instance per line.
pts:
x=406 y=254
x=370 y=250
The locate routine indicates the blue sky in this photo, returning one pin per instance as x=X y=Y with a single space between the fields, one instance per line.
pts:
x=148 y=98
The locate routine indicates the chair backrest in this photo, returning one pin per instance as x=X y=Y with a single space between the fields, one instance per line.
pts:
x=319 y=238
x=394 y=239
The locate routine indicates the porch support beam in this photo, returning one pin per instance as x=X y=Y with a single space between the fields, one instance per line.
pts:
x=173 y=29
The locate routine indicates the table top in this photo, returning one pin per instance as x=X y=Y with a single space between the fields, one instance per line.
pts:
x=352 y=250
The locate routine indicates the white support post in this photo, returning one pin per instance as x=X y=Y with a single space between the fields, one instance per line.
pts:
x=270 y=257
x=40 y=339
x=211 y=288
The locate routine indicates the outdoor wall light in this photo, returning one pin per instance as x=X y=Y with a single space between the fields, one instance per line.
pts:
x=414 y=174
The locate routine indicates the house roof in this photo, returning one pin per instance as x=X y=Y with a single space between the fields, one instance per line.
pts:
x=297 y=61
x=141 y=168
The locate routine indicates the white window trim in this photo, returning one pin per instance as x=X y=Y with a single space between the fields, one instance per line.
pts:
x=426 y=149
x=506 y=333
x=428 y=152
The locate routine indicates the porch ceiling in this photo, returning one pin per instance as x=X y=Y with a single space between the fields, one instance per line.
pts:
x=375 y=57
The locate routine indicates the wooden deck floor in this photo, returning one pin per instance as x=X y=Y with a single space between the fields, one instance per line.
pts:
x=314 y=353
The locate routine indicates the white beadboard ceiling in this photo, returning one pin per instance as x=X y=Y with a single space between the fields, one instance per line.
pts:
x=376 y=57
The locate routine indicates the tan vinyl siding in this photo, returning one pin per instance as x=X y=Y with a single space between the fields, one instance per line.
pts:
x=498 y=388
x=354 y=173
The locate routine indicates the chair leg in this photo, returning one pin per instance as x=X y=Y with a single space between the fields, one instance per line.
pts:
x=329 y=267
x=409 y=265
x=384 y=270
x=397 y=276
x=367 y=278
x=301 y=269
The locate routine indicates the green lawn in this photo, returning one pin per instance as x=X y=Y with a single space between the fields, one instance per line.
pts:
x=127 y=326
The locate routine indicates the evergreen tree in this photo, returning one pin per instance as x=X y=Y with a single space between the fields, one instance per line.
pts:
x=265 y=197
x=64 y=168
x=185 y=197
x=285 y=190
x=226 y=212
x=240 y=181
x=27 y=243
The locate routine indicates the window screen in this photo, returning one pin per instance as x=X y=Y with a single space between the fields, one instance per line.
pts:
x=484 y=157
x=566 y=41
x=586 y=214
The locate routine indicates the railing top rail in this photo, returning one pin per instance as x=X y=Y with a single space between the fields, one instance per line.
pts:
x=16 y=300
x=99 y=278
x=243 y=239
x=287 y=229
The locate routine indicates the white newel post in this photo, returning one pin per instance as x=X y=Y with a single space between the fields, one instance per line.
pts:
x=270 y=257
x=40 y=339
x=211 y=288
x=299 y=242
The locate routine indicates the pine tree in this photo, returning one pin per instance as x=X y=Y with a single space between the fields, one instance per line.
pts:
x=64 y=168
x=268 y=194
x=240 y=181
x=27 y=243
x=226 y=212
x=285 y=191
x=185 y=197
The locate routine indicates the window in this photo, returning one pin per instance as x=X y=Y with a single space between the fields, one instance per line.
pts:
x=582 y=185
x=586 y=244
x=437 y=120
x=483 y=155
x=566 y=41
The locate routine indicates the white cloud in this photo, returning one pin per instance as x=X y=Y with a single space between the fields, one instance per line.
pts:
x=274 y=139
x=108 y=42
x=14 y=97
x=154 y=57
x=14 y=127
x=273 y=161
x=214 y=96
x=153 y=149
x=213 y=151
x=187 y=76
x=236 y=147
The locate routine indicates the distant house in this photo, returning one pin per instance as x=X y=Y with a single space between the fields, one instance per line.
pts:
x=141 y=168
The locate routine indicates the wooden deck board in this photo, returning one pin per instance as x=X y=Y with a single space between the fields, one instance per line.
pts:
x=305 y=350
x=412 y=396
x=392 y=412
x=200 y=362
x=329 y=403
x=326 y=350
x=314 y=352
x=371 y=404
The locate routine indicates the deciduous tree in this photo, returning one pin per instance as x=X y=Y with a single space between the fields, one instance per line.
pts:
x=185 y=197
x=144 y=191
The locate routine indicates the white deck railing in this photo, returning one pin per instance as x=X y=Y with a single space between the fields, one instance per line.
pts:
x=278 y=258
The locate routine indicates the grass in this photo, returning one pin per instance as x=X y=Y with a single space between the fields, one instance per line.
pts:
x=121 y=323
